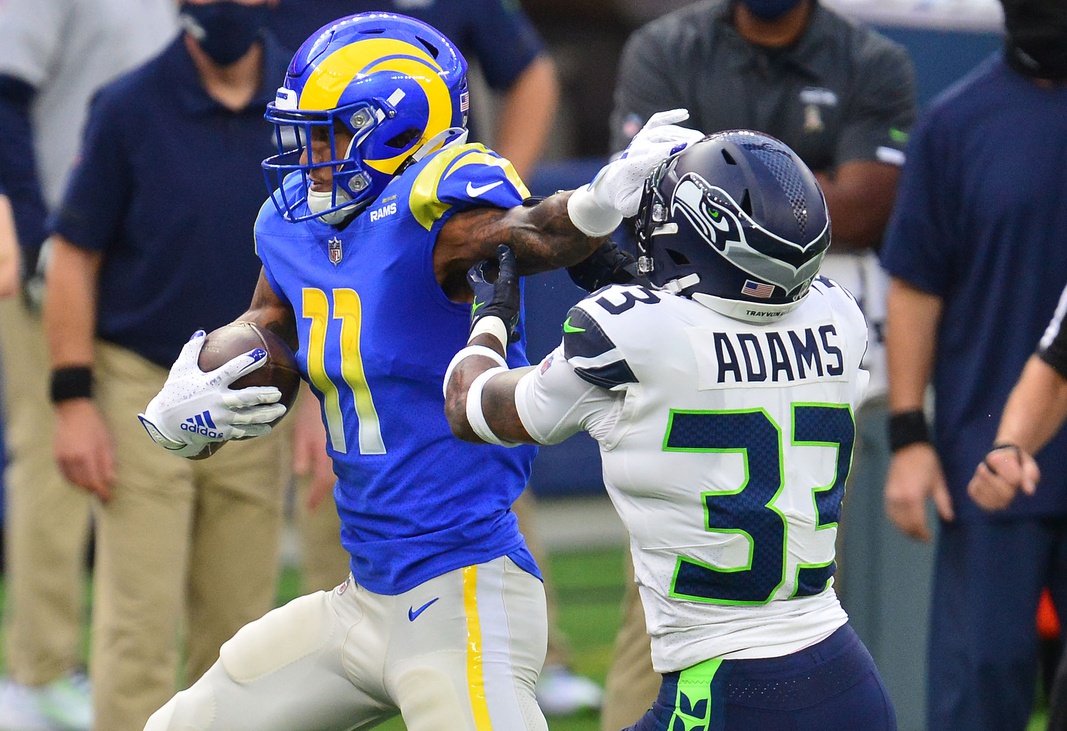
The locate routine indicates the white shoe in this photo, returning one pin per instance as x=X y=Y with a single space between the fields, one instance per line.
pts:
x=66 y=702
x=19 y=710
x=561 y=692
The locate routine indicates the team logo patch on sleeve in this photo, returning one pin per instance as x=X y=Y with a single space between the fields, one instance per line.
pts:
x=594 y=356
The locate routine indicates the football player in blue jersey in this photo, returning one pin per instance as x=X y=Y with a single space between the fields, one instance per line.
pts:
x=378 y=209
x=721 y=387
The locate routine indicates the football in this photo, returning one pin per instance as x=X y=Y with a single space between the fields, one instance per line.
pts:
x=237 y=338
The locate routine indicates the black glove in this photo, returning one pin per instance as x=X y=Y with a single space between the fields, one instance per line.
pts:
x=607 y=265
x=500 y=297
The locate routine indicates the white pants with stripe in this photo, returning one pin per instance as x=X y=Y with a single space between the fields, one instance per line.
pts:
x=459 y=652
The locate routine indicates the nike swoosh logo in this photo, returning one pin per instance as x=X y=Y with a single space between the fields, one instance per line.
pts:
x=569 y=328
x=475 y=306
x=413 y=613
x=474 y=192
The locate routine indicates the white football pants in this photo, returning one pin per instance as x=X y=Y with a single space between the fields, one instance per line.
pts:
x=459 y=652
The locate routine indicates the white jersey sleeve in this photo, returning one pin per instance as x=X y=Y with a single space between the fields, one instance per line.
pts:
x=554 y=402
x=725 y=449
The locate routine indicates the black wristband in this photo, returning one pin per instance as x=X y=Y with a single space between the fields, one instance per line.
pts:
x=71 y=382
x=907 y=427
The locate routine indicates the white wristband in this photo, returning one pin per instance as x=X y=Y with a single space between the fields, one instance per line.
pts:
x=475 y=417
x=491 y=325
x=466 y=353
x=590 y=217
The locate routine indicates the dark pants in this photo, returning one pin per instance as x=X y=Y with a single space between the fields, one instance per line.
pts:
x=831 y=686
x=982 y=662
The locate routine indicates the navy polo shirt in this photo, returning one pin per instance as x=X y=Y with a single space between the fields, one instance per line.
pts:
x=496 y=32
x=980 y=222
x=167 y=188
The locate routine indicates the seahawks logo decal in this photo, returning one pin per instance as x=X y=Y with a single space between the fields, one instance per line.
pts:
x=694 y=198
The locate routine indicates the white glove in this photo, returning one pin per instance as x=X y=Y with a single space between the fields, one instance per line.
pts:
x=195 y=408
x=615 y=193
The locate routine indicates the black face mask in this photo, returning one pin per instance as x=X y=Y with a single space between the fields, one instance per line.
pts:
x=769 y=10
x=225 y=29
x=1036 y=42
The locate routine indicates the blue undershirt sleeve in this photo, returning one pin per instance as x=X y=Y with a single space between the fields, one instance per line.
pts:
x=919 y=240
x=18 y=166
x=94 y=205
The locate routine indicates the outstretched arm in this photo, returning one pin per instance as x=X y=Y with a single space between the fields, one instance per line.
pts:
x=564 y=228
x=542 y=236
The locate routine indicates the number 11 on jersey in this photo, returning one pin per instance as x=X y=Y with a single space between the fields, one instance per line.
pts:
x=348 y=310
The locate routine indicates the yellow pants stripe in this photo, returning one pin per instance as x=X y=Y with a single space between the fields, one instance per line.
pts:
x=475 y=677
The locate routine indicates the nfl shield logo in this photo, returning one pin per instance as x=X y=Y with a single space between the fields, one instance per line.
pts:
x=335 y=251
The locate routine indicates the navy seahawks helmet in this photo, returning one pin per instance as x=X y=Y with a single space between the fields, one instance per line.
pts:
x=397 y=84
x=736 y=222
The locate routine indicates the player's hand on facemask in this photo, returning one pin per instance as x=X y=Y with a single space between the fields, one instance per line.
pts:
x=195 y=408
x=615 y=193
x=607 y=265
x=499 y=298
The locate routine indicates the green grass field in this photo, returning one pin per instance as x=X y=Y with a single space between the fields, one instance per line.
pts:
x=589 y=586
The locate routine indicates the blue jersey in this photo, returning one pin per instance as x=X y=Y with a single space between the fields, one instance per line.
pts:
x=376 y=335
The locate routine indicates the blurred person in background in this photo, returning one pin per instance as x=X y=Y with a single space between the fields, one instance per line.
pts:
x=1033 y=414
x=521 y=74
x=977 y=251
x=842 y=97
x=152 y=239
x=54 y=55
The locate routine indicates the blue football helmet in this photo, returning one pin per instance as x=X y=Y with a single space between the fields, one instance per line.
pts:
x=736 y=222
x=397 y=84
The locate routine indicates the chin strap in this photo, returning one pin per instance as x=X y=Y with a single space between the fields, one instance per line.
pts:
x=675 y=286
x=327 y=199
x=444 y=138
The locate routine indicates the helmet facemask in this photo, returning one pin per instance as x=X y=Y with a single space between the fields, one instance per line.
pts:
x=351 y=185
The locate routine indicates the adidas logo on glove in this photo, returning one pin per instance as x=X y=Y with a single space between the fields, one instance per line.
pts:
x=203 y=425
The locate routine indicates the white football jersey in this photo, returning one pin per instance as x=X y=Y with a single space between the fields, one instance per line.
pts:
x=725 y=449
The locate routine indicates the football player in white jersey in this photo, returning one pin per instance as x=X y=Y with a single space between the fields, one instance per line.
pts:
x=721 y=385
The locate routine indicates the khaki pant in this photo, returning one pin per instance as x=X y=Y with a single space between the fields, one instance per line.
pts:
x=632 y=685
x=181 y=543
x=323 y=561
x=47 y=519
